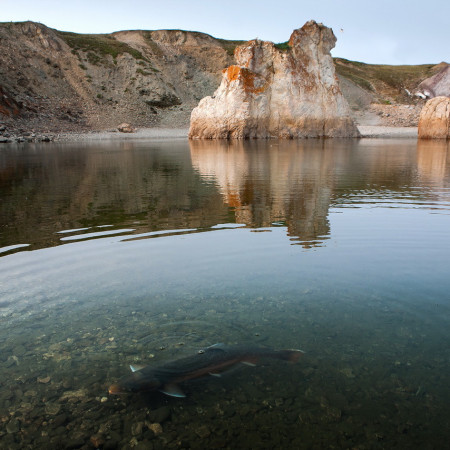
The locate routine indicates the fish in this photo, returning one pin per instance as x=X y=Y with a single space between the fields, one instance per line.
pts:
x=210 y=361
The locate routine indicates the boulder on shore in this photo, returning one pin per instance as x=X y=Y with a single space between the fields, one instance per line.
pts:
x=126 y=128
x=273 y=92
x=434 y=122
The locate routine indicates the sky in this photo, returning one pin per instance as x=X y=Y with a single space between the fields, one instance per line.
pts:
x=371 y=31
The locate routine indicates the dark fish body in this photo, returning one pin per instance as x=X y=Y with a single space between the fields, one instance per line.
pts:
x=210 y=361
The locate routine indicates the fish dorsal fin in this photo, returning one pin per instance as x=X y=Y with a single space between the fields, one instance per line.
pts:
x=219 y=346
x=218 y=375
x=173 y=390
x=136 y=367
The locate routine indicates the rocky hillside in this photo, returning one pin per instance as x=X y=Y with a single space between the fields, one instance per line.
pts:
x=52 y=80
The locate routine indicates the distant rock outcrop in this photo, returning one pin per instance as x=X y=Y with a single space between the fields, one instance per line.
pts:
x=436 y=86
x=434 y=122
x=8 y=106
x=278 y=93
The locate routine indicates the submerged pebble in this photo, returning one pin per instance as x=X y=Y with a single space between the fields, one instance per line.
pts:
x=156 y=428
x=43 y=380
x=13 y=426
x=52 y=408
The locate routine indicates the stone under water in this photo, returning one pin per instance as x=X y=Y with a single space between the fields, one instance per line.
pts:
x=278 y=93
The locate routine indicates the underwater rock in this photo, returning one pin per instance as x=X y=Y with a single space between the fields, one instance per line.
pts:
x=156 y=428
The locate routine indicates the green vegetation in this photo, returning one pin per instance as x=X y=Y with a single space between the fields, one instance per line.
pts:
x=98 y=46
x=93 y=58
x=142 y=72
x=387 y=80
x=283 y=46
x=229 y=46
x=154 y=47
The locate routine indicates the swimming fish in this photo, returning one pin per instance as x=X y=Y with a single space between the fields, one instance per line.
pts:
x=212 y=360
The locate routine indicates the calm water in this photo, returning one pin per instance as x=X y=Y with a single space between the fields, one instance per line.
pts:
x=144 y=252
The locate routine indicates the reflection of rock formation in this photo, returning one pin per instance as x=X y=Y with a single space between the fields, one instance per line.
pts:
x=433 y=162
x=265 y=182
x=162 y=186
x=148 y=186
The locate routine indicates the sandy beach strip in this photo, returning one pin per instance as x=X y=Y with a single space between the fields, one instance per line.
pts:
x=376 y=131
x=367 y=131
x=140 y=133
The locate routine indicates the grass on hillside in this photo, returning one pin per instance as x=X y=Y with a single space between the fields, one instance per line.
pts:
x=390 y=80
x=98 y=44
x=283 y=46
x=229 y=46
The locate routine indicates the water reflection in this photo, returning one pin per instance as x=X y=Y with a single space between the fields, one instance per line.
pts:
x=176 y=185
x=264 y=182
x=297 y=182
x=433 y=162
x=370 y=307
x=45 y=190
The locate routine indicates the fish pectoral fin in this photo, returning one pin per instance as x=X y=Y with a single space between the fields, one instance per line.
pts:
x=136 y=367
x=249 y=363
x=218 y=375
x=173 y=390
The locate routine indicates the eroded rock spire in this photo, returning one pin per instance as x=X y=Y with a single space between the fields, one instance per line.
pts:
x=277 y=93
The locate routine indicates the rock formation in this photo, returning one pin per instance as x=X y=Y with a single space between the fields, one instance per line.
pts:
x=436 y=86
x=278 y=93
x=434 y=122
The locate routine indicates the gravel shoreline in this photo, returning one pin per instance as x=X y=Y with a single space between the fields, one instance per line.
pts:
x=367 y=131
x=141 y=133
x=376 y=131
x=181 y=133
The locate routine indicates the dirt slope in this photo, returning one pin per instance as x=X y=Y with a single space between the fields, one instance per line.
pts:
x=69 y=81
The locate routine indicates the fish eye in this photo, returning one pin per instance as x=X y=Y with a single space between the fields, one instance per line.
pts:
x=201 y=352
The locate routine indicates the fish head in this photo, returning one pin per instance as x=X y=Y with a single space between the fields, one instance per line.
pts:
x=136 y=382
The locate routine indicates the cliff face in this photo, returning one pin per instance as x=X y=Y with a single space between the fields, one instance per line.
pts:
x=436 y=86
x=52 y=80
x=59 y=80
x=274 y=93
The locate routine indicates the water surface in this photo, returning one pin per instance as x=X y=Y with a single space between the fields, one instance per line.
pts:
x=141 y=252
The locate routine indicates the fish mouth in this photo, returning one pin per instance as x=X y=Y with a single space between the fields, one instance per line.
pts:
x=116 y=389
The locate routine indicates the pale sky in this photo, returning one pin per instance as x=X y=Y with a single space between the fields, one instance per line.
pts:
x=371 y=31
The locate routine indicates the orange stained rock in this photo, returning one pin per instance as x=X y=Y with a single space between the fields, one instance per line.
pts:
x=246 y=77
x=232 y=72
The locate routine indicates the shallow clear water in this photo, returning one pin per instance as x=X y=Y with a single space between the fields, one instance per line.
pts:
x=143 y=252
